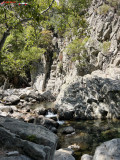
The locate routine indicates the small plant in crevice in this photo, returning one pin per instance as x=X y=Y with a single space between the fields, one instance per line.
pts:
x=54 y=55
x=60 y=65
x=104 y=9
x=31 y=138
x=106 y=46
x=77 y=52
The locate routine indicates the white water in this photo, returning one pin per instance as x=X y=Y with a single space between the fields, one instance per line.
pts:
x=50 y=115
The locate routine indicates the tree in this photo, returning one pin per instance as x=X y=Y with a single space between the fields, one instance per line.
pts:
x=69 y=17
x=14 y=17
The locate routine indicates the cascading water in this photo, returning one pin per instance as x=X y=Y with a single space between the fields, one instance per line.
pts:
x=50 y=114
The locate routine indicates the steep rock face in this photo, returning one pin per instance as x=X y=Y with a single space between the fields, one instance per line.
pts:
x=103 y=48
x=104 y=27
x=95 y=95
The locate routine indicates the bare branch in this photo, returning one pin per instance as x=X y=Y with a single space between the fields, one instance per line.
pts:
x=48 y=7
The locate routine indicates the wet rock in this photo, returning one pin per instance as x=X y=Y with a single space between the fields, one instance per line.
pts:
x=68 y=130
x=65 y=114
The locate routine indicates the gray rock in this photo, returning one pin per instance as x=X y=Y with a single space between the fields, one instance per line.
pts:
x=63 y=155
x=47 y=122
x=12 y=153
x=93 y=96
x=12 y=99
x=4 y=108
x=68 y=130
x=40 y=111
x=48 y=95
x=34 y=140
x=108 y=150
x=86 y=157
x=20 y=157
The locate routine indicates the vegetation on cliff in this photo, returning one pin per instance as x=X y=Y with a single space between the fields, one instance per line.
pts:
x=26 y=31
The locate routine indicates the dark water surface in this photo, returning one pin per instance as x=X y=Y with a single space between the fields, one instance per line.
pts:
x=88 y=133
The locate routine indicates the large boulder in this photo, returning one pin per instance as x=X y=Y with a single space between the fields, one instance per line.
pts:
x=95 y=95
x=34 y=140
x=108 y=150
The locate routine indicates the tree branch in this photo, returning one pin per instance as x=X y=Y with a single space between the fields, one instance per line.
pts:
x=48 y=7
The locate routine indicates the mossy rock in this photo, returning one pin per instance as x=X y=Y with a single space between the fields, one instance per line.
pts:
x=31 y=138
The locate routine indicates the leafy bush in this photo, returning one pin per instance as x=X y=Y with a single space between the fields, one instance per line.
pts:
x=77 y=51
x=19 y=50
x=104 y=9
x=69 y=16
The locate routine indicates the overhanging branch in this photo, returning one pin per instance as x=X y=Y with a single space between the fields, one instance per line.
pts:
x=48 y=7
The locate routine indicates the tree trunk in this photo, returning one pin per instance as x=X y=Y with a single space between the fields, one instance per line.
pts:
x=2 y=41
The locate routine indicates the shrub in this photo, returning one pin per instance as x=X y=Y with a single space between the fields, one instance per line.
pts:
x=106 y=46
x=54 y=56
x=77 y=51
x=104 y=9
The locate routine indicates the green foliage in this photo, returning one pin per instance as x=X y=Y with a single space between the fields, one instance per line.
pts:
x=68 y=17
x=60 y=65
x=45 y=39
x=106 y=46
x=31 y=138
x=30 y=31
x=77 y=51
x=104 y=9
x=19 y=50
x=54 y=55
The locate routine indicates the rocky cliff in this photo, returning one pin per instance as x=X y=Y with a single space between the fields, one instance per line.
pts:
x=99 y=89
x=103 y=48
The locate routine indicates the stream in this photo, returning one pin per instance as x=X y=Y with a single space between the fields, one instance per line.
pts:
x=88 y=133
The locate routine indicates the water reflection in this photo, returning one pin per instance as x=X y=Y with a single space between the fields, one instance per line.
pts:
x=88 y=135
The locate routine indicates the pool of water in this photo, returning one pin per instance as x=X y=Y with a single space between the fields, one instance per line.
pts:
x=88 y=135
